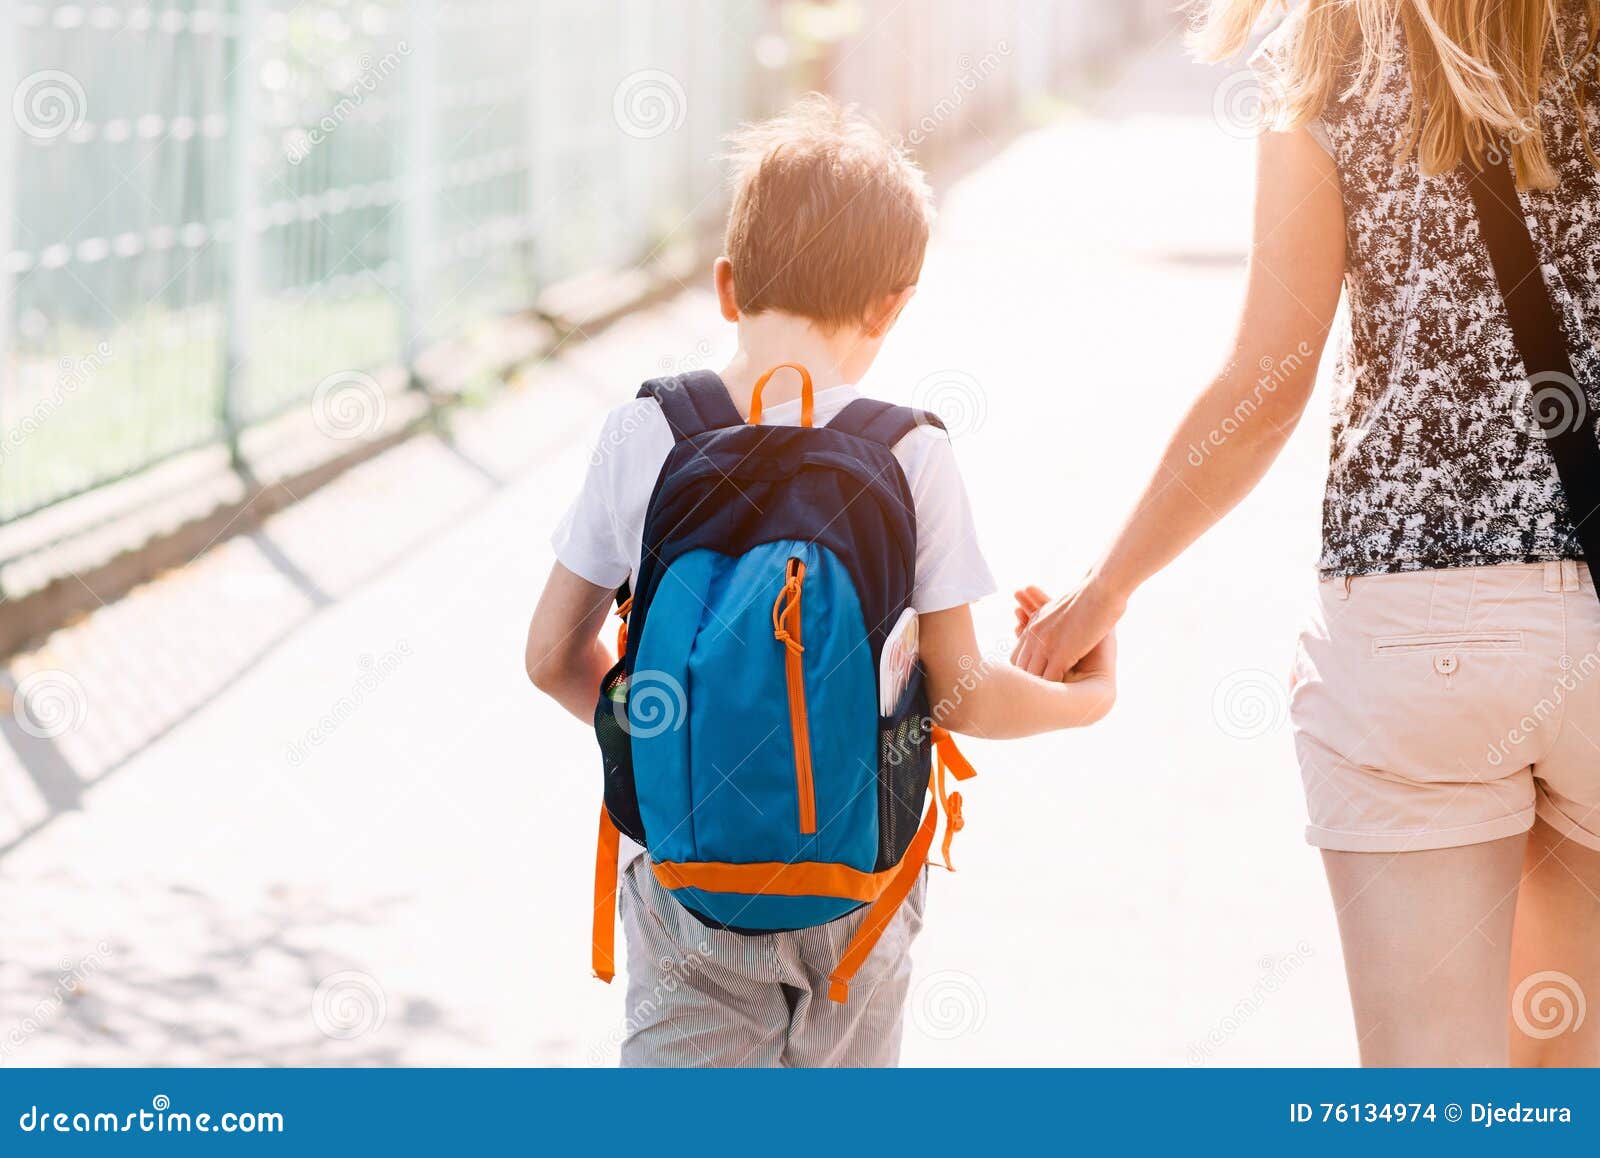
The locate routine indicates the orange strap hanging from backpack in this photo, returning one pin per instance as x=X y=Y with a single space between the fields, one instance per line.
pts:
x=946 y=754
x=603 y=953
x=950 y=759
x=607 y=849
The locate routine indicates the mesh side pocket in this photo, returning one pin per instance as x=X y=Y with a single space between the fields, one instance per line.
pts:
x=616 y=754
x=905 y=761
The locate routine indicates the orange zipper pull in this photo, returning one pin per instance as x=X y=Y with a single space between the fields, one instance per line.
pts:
x=783 y=610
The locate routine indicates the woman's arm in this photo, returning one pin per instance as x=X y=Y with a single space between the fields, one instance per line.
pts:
x=1234 y=430
x=983 y=695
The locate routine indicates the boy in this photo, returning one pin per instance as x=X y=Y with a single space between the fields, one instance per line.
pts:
x=824 y=245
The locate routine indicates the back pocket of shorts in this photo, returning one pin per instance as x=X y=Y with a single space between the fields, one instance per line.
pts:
x=1393 y=645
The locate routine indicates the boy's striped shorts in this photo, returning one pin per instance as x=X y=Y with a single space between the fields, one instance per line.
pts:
x=707 y=997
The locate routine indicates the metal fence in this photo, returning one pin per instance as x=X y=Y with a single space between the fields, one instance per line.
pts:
x=208 y=207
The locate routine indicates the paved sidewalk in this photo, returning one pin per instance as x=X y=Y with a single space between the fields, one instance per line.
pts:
x=311 y=813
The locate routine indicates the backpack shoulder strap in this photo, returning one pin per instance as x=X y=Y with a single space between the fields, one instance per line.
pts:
x=693 y=403
x=881 y=422
x=1558 y=399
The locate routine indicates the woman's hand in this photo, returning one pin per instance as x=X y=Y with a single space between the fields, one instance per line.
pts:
x=1070 y=638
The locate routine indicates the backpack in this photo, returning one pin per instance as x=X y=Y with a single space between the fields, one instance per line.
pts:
x=740 y=732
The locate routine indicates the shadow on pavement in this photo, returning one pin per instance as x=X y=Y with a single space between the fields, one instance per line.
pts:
x=267 y=990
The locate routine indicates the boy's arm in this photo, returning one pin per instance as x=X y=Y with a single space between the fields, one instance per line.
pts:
x=565 y=657
x=984 y=695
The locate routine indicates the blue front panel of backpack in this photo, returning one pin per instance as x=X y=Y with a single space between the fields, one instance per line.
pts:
x=713 y=736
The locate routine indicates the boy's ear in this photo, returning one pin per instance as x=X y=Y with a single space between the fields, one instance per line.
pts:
x=888 y=312
x=722 y=276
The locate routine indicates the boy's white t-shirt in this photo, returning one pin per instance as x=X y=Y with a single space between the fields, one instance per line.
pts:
x=601 y=538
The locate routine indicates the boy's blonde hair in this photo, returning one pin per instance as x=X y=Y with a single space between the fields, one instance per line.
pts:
x=829 y=216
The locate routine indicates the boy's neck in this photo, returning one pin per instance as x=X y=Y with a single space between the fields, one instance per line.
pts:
x=765 y=340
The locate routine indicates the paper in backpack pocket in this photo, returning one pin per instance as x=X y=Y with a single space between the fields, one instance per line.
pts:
x=898 y=661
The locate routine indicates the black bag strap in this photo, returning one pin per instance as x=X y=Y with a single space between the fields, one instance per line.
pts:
x=881 y=422
x=1559 y=400
x=693 y=403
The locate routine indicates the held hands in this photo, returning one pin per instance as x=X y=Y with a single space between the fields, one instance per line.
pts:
x=1067 y=639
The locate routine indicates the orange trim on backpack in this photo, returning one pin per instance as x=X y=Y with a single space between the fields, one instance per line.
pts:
x=603 y=953
x=807 y=406
x=884 y=908
x=807 y=879
x=886 y=890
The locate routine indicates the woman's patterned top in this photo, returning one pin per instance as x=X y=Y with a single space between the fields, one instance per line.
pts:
x=1436 y=458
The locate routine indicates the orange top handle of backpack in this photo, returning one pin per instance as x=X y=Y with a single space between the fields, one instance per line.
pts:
x=806 y=399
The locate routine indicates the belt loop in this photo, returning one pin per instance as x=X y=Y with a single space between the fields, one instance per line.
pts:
x=1552 y=576
x=1450 y=600
x=1345 y=583
x=1569 y=575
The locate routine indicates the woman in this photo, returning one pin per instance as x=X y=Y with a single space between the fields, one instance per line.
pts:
x=1447 y=730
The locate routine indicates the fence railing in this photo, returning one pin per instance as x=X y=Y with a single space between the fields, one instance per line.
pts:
x=211 y=209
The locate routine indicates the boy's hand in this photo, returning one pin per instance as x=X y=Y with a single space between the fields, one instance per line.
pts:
x=1029 y=600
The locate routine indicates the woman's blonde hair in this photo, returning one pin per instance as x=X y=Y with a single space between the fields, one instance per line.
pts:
x=1477 y=67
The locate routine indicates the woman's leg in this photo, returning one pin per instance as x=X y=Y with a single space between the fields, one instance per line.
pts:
x=1427 y=948
x=1555 y=958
